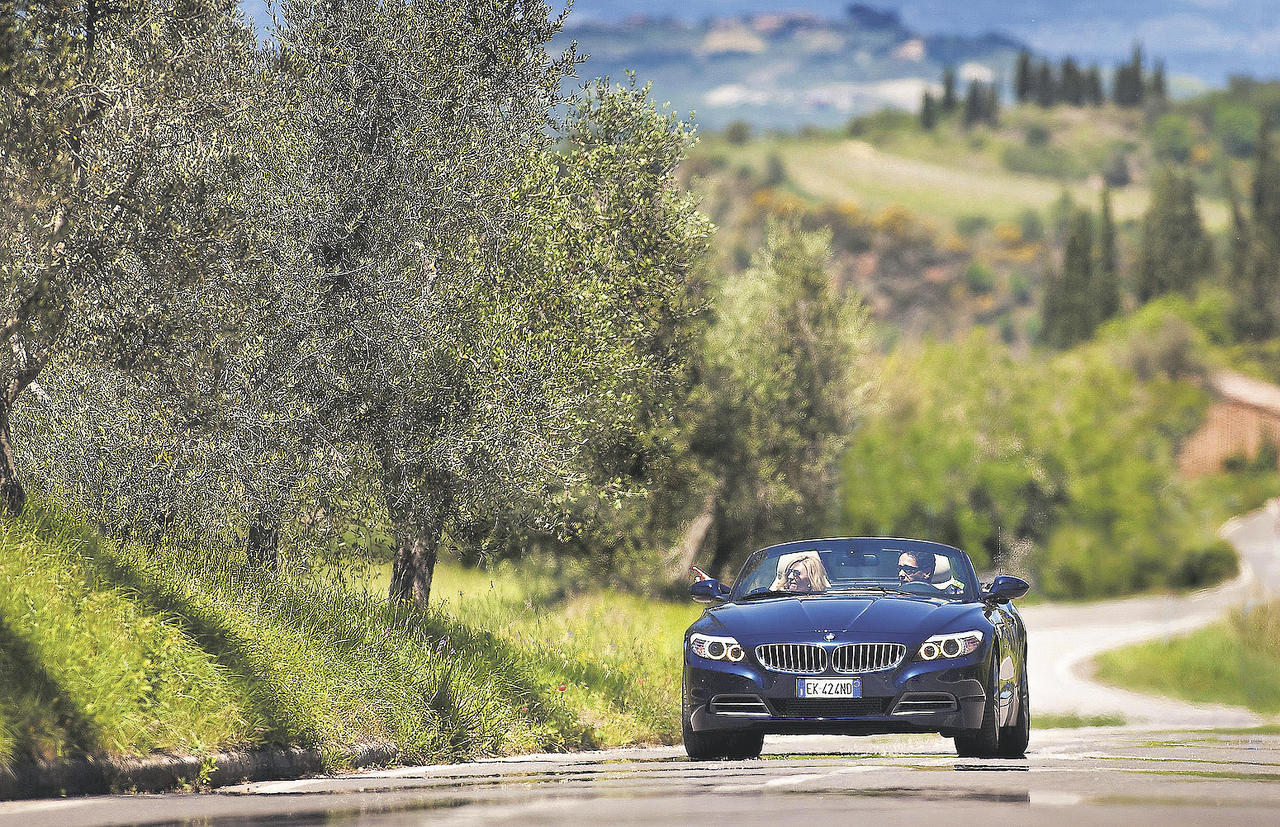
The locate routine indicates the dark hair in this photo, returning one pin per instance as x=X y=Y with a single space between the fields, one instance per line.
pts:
x=925 y=560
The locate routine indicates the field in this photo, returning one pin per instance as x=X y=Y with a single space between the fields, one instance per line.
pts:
x=944 y=175
x=1234 y=662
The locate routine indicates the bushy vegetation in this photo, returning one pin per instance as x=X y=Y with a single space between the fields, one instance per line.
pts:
x=372 y=307
x=1235 y=662
x=113 y=649
x=1045 y=465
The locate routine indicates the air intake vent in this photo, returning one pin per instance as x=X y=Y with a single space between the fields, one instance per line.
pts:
x=867 y=657
x=737 y=705
x=925 y=702
x=829 y=707
x=792 y=658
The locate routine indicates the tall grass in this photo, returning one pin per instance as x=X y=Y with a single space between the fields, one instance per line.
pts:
x=1233 y=662
x=84 y=669
x=111 y=649
x=617 y=656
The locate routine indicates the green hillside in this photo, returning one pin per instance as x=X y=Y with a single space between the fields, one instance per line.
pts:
x=115 y=650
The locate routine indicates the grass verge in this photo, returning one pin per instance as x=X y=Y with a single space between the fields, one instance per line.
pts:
x=1073 y=720
x=1234 y=662
x=614 y=658
x=120 y=650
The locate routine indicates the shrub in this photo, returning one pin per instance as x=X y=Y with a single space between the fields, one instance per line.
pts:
x=1031 y=224
x=1267 y=458
x=971 y=224
x=1237 y=126
x=1205 y=566
x=979 y=278
x=1235 y=463
x=1037 y=135
x=1020 y=288
x=1072 y=456
x=1115 y=172
x=1171 y=138
x=1045 y=161
x=737 y=132
x=774 y=171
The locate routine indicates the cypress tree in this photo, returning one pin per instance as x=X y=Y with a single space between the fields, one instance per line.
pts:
x=1175 y=251
x=1265 y=193
x=1106 y=282
x=949 y=90
x=1051 y=309
x=1046 y=87
x=1070 y=314
x=1253 y=282
x=1128 y=89
x=1072 y=83
x=1022 y=81
x=974 y=104
x=1093 y=86
x=1255 y=248
x=1157 y=84
x=1077 y=277
x=928 y=111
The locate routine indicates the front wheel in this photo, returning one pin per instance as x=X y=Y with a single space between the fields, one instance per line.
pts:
x=705 y=746
x=983 y=742
x=1014 y=739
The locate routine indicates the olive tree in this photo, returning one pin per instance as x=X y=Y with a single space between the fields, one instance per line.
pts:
x=784 y=385
x=468 y=301
x=112 y=224
x=442 y=296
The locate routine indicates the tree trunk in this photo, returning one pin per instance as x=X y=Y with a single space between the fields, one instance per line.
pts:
x=12 y=496
x=418 y=505
x=695 y=536
x=417 y=528
x=726 y=541
x=263 y=546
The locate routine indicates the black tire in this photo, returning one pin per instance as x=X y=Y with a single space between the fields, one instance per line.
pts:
x=983 y=742
x=1014 y=739
x=706 y=746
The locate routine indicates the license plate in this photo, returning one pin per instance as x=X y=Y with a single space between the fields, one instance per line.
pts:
x=829 y=688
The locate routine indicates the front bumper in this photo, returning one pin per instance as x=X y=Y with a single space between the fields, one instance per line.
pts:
x=913 y=697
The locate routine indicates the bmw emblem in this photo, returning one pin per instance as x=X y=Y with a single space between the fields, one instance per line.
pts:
x=831 y=635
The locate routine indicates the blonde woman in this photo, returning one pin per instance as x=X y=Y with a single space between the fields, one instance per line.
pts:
x=801 y=573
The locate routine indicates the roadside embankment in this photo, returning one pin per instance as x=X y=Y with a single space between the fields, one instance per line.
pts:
x=115 y=658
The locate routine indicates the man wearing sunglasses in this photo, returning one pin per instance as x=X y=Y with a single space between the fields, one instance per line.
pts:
x=918 y=567
x=915 y=568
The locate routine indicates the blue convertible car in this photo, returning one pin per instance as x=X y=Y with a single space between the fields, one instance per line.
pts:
x=856 y=636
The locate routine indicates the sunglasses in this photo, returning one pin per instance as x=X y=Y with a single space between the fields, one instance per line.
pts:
x=910 y=569
x=794 y=574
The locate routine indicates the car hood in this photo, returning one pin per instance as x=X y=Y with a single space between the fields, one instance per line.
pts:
x=889 y=614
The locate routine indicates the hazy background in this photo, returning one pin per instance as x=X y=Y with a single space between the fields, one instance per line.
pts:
x=1209 y=39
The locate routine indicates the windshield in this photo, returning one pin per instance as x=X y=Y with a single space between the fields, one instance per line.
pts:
x=858 y=564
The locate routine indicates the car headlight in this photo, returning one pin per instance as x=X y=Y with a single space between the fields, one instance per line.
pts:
x=716 y=648
x=950 y=646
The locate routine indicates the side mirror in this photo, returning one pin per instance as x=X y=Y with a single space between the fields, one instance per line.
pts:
x=709 y=591
x=1005 y=588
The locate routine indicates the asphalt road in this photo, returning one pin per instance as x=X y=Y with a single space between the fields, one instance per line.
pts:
x=1172 y=763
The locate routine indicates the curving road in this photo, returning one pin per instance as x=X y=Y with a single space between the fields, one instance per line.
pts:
x=1173 y=763
x=1063 y=638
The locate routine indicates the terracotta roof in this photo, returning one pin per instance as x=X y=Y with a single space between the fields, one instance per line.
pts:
x=1247 y=390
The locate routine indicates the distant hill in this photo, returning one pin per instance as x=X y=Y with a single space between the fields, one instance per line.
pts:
x=786 y=70
x=1205 y=39
x=840 y=64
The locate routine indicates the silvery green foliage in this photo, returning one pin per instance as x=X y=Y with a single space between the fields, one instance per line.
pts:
x=786 y=382
x=436 y=301
x=473 y=304
x=110 y=221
